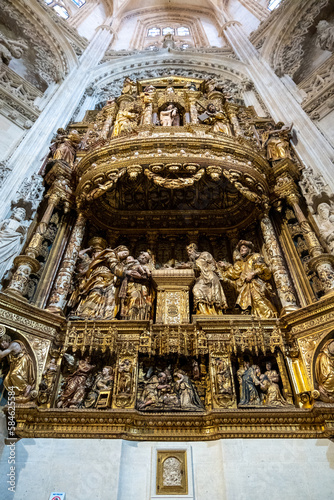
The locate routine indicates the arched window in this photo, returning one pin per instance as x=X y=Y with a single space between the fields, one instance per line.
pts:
x=154 y=32
x=185 y=46
x=48 y=1
x=168 y=31
x=61 y=11
x=273 y=4
x=183 y=31
x=79 y=3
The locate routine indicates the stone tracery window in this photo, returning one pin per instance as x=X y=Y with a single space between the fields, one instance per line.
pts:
x=154 y=32
x=273 y=4
x=183 y=31
x=168 y=31
x=183 y=37
x=79 y=3
x=61 y=11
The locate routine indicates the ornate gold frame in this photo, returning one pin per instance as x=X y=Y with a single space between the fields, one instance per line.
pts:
x=162 y=489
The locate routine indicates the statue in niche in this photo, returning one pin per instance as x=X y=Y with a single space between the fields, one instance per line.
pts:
x=269 y=385
x=277 y=142
x=325 y=220
x=248 y=377
x=170 y=117
x=104 y=381
x=168 y=42
x=216 y=118
x=223 y=377
x=11 y=48
x=97 y=295
x=147 y=98
x=124 y=376
x=170 y=90
x=47 y=382
x=325 y=36
x=66 y=147
x=12 y=233
x=20 y=379
x=76 y=385
x=324 y=372
x=191 y=86
x=129 y=86
x=90 y=138
x=136 y=293
x=250 y=276
x=125 y=122
x=209 y=297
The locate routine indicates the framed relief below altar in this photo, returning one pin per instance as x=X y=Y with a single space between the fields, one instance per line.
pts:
x=172 y=472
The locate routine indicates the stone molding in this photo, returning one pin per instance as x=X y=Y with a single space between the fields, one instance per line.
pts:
x=55 y=55
x=281 y=36
x=319 y=90
x=19 y=95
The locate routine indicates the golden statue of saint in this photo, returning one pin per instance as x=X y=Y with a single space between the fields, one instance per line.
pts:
x=97 y=296
x=209 y=297
x=216 y=118
x=324 y=372
x=125 y=122
x=250 y=273
x=277 y=142
x=20 y=379
x=66 y=147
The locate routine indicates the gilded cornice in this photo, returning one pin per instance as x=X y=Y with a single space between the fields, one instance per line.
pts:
x=136 y=426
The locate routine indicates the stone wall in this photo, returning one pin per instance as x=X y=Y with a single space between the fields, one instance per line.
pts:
x=125 y=470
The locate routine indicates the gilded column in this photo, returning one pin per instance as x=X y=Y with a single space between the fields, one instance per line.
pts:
x=63 y=282
x=321 y=262
x=281 y=276
x=27 y=263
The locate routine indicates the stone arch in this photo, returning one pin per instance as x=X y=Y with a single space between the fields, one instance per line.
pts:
x=107 y=79
x=282 y=35
x=55 y=56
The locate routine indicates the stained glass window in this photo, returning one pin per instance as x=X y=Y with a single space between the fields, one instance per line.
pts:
x=154 y=32
x=79 y=3
x=182 y=31
x=61 y=11
x=168 y=31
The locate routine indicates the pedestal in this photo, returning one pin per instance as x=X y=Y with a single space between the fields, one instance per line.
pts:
x=173 y=286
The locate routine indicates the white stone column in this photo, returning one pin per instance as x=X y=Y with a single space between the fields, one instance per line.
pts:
x=26 y=159
x=312 y=147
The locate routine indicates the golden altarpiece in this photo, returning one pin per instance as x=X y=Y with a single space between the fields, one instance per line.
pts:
x=173 y=285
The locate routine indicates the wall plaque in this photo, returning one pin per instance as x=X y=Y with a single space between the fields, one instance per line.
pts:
x=172 y=472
